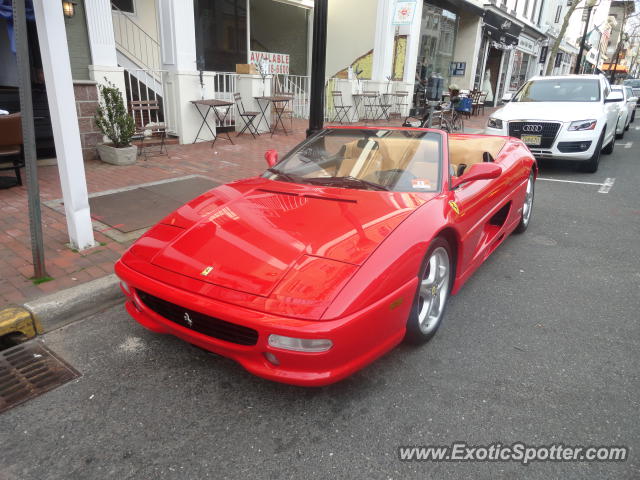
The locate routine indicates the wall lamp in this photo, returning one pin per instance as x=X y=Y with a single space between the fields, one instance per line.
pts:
x=68 y=8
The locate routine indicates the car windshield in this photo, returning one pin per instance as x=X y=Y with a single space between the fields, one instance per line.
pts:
x=633 y=82
x=559 y=90
x=369 y=159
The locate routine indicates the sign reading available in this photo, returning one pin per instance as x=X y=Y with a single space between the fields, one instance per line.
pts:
x=276 y=63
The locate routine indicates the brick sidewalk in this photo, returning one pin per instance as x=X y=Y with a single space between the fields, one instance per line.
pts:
x=223 y=163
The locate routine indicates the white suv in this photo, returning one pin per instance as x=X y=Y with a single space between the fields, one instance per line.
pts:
x=572 y=117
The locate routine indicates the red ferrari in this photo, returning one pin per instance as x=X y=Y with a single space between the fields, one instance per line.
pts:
x=350 y=244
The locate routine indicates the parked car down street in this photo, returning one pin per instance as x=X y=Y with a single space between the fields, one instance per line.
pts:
x=627 y=108
x=571 y=117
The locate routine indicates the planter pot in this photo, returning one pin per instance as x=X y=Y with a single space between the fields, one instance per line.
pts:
x=117 y=156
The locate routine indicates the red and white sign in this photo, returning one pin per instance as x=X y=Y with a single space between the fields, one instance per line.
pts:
x=403 y=14
x=276 y=63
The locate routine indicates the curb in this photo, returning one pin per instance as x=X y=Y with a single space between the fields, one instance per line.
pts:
x=66 y=306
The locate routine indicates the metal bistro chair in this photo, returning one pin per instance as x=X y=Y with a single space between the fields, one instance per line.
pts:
x=370 y=104
x=11 y=147
x=479 y=106
x=342 y=110
x=284 y=110
x=143 y=112
x=247 y=117
x=402 y=102
x=475 y=102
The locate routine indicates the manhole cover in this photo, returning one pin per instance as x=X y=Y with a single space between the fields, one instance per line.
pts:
x=29 y=370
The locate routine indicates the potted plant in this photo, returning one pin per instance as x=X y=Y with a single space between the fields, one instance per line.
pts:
x=115 y=123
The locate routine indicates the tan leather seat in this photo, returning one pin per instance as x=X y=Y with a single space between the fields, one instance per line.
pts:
x=469 y=150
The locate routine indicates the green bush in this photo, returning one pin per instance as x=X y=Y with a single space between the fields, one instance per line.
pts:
x=112 y=117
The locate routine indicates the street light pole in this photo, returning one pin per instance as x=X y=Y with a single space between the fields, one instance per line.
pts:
x=578 y=66
x=318 y=62
x=29 y=138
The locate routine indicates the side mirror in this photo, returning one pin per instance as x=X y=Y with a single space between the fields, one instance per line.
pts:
x=478 y=171
x=506 y=98
x=271 y=156
x=614 y=97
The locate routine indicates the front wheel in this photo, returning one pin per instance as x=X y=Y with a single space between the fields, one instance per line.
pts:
x=591 y=166
x=435 y=279
x=527 y=206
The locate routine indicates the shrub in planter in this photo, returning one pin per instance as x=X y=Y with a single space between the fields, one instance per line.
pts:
x=115 y=123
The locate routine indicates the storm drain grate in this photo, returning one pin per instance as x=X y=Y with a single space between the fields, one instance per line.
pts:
x=29 y=370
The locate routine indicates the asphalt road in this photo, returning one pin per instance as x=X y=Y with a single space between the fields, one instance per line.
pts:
x=542 y=346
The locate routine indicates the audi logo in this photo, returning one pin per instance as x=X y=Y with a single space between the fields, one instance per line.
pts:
x=532 y=128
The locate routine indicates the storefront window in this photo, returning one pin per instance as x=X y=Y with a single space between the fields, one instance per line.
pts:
x=221 y=34
x=520 y=70
x=438 y=33
x=280 y=28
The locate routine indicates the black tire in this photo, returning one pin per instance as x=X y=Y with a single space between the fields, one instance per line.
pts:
x=627 y=127
x=608 y=150
x=591 y=166
x=620 y=136
x=415 y=334
x=633 y=115
x=526 y=220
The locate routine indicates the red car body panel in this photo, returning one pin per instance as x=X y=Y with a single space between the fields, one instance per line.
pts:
x=315 y=262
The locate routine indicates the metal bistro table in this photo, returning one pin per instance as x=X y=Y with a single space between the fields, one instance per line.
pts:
x=263 y=103
x=212 y=104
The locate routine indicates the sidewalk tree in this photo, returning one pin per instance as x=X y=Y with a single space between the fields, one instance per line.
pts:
x=563 y=29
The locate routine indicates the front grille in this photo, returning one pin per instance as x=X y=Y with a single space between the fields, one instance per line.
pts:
x=573 y=147
x=199 y=322
x=548 y=132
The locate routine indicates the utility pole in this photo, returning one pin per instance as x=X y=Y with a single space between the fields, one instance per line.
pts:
x=590 y=6
x=318 y=63
x=29 y=138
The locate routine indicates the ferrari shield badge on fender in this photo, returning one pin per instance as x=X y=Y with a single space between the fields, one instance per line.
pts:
x=206 y=271
x=454 y=207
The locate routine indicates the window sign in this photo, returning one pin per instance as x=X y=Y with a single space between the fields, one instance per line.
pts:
x=403 y=13
x=276 y=63
x=458 y=69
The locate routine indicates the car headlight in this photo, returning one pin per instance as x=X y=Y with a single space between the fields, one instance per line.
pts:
x=582 y=125
x=494 y=123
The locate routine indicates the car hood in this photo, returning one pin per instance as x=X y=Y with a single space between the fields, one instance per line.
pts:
x=558 y=111
x=247 y=236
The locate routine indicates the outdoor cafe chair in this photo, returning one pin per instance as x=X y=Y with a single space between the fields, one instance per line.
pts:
x=342 y=110
x=247 y=117
x=144 y=113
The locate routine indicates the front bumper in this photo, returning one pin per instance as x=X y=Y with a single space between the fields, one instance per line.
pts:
x=565 y=146
x=358 y=339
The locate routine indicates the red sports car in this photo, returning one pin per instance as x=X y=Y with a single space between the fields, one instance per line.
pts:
x=350 y=244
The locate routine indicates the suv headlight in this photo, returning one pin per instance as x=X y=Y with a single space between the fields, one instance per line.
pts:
x=582 y=125
x=494 y=123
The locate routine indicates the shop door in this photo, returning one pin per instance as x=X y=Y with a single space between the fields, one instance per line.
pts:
x=491 y=72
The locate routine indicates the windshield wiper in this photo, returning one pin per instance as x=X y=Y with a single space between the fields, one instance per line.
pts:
x=285 y=176
x=347 y=180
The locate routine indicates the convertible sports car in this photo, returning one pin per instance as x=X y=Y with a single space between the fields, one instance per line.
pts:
x=350 y=244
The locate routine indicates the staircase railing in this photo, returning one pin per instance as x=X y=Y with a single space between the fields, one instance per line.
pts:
x=134 y=42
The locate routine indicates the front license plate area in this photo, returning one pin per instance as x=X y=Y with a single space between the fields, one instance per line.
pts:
x=532 y=140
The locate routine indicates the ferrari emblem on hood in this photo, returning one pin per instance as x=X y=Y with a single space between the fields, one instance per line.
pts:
x=454 y=206
x=206 y=271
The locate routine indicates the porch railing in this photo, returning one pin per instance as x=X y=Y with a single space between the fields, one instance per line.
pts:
x=134 y=42
x=225 y=85
x=147 y=84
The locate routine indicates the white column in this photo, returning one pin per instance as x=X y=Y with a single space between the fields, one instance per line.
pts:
x=413 y=45
x=177 y=32
x=104 y=67
x=383 y=44
x=100 y=28
x=54 y=51
x=177 y=35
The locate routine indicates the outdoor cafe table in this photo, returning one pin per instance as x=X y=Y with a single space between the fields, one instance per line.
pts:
x=215 y=105
x=263 y=103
